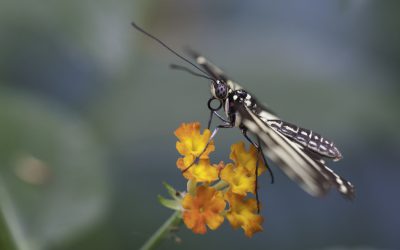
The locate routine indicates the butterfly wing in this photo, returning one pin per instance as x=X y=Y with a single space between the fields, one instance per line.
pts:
x=310 y=173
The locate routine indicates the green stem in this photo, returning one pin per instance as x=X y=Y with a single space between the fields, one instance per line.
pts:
x=220 y=185
x=6 y=239
x=11 y=235
x=163 y=231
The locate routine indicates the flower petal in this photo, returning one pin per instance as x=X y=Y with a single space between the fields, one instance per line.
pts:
x=247 y=159
x=192 y=142
x=205 y=208
x=202 y=171
x=243 y=213
x=241 y=180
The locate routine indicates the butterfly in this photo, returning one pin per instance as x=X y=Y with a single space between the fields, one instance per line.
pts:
x=300 y=153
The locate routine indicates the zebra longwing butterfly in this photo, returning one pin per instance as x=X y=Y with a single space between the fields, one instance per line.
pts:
x=299 y=152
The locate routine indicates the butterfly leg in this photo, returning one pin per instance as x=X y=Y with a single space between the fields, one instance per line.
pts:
x=259 y=148
x=213 y=111
x=265 y=161
x=256 y=180
x=256 y=186
x=259 y=151
x=227 y=125
x=210 y=120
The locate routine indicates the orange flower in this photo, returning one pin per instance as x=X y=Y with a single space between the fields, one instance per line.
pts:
x=243 y=213
x=191 y=142
x=205 y=208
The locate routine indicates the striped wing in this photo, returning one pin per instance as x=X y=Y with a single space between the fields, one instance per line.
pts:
x=310 y=173
x=307 y=138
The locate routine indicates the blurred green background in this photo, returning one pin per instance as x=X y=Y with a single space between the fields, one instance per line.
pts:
x=88 y=107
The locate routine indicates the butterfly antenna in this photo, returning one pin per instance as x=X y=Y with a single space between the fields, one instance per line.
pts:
x=168 y=48
x=183 y=68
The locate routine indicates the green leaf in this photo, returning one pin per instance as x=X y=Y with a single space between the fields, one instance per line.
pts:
x=191 y=187
x=172 y=204
x=171 y=191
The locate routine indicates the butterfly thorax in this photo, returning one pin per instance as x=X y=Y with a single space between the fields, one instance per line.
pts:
x=238 y=97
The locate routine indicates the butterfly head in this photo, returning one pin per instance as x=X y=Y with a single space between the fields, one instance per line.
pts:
x=219 y=89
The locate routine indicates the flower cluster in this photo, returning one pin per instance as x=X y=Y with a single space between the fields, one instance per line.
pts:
x=217 y=191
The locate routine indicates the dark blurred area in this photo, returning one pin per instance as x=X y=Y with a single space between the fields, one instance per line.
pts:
x=88 y=107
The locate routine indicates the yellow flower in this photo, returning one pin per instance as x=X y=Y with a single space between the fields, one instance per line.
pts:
x=205 y=205
x=240 y=179
x=191 y=142
x=202 y=171
x=205 y=208
x=247 y=159
x=241 y=174
x=243 y=213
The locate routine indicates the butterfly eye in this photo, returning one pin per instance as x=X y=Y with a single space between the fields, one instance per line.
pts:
x=219 y=90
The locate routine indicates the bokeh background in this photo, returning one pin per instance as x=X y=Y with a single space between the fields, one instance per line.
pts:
x=88 y=107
